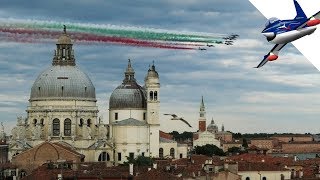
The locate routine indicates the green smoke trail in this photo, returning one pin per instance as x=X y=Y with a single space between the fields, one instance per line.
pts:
x=127 y=32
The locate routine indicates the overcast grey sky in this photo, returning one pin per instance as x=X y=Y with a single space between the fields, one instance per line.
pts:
x=281 y=97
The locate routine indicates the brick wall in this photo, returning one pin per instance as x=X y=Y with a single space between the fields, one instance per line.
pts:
x=300 y=147
x=294 y=138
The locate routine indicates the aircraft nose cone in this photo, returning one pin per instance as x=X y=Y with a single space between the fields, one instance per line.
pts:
x=268 y=34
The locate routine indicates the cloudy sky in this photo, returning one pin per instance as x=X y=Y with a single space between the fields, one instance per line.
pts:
x=281 y=97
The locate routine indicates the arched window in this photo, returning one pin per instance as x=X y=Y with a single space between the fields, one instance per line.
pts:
x=56 y=127
x=172 y=152
x=151 y=95
x=42 y=122
x=155 y=95
x=104 y=156
x=35 y=122
x=247 y=178
x=81 y=123
x=264 y=178
x=161 y=152
x=89 y=122
x=67 y=127
x=282 y=177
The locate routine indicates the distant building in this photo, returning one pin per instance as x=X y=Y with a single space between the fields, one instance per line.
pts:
x=169 y=148
x=203 y=136
x=293 y=137
x=227 y=145
x=263 y=171
x=265 y=143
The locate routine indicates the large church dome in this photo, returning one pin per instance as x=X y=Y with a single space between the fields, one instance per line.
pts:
x=129 y=95
x=63 y=80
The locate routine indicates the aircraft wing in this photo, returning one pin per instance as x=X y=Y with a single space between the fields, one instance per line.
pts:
x=274 y=51
x=316 y=16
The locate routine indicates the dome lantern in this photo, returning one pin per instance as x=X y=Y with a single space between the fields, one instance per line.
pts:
x=64 y=55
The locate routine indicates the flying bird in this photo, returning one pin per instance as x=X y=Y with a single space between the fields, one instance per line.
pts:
x=175 y=117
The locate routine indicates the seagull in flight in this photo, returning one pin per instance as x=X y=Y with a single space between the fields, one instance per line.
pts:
x=175 y=117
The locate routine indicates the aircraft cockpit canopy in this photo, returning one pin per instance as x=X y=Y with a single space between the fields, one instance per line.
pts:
x=271 y=21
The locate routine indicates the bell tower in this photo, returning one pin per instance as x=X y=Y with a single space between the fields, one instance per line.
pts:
x=152 y=86
x=202 y=118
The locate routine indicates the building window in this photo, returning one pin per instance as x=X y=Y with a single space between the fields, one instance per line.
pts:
x=264 y=178
x=144 y=116
x=131 y=155
x=104 y=156
x=151 y=95
x=172 y=152
x=42 y=122
x=142 y=154
x=119 y=156
x=155 y=95
x=161 y=152
x=35 y=122
x=56 y=127
x=247 y=178
x=89 y=122
x=67 y=127
x=181 y=155
x=116 y=116
x=81 y=123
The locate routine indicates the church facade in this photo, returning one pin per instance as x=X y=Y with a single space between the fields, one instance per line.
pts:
x=209 y=134
x=62 y=110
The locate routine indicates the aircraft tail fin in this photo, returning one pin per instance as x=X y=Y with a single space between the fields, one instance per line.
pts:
x=300 y=14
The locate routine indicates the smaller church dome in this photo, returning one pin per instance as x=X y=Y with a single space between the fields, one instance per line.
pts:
x=129 y=94
x=212 y=127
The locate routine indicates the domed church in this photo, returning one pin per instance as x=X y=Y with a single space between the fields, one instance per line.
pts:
x=62 y=109
x=62 y=117
x=134 y=116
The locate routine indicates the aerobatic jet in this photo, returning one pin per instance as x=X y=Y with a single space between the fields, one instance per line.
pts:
x=281 y=32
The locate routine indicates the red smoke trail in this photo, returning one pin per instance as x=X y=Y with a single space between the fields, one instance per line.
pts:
x=44 y=34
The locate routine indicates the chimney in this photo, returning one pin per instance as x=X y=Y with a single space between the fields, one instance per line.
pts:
x=301 y=174
x=154 y=165
x=131 y=169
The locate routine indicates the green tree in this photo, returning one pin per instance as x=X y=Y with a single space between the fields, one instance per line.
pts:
x=181 y=137
x=209 y=150
x=140 y=161
x=234 y=150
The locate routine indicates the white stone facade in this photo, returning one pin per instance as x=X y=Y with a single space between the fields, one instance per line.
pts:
x=206 y=137
x=264 y=175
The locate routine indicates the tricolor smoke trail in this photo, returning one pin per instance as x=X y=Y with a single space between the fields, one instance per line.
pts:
x=41 y=31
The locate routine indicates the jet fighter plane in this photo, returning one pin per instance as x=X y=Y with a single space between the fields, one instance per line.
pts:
x=202 y=49
x=282 y=32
